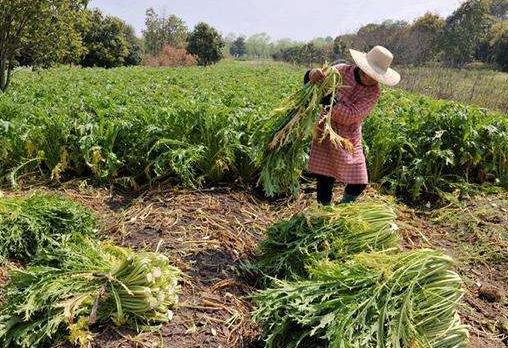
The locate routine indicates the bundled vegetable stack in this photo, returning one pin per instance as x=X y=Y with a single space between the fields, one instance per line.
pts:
x=373 y=300
x=285 y=137
x=67 y=291
x=38 y=222
x=335 y=233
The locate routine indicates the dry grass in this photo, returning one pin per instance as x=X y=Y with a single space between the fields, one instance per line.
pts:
x=485 y=88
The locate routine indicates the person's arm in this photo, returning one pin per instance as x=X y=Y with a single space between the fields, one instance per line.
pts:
x=349 y=112
x=306 y=77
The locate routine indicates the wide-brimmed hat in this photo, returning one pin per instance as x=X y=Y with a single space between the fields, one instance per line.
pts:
x=376 y=64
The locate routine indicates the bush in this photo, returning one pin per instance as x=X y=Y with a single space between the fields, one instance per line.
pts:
x=171 y=57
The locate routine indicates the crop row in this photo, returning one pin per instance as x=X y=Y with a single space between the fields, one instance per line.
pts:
x=201 y=126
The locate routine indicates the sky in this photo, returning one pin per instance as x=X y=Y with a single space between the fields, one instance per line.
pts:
x=294 y=19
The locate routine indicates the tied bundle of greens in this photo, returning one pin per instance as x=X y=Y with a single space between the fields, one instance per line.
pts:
x=286 y=135
x=37 y=222
x=373 y=300
x=327 y=232
x=85 y=283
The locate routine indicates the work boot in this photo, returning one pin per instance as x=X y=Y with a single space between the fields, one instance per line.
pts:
x=348 y=199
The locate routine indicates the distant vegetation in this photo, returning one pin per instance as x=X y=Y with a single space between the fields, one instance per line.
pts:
x=476 y=31
x=41 y=34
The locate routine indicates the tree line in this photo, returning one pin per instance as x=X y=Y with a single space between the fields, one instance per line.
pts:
x=41 y=33
x=476 y=32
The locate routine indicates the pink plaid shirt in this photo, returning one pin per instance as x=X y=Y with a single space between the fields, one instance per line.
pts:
x=355 y=104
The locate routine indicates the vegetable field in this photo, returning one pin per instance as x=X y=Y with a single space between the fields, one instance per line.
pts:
x=199 y=127
x=133 y=213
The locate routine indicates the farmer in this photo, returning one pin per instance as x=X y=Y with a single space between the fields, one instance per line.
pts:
x=353 y=103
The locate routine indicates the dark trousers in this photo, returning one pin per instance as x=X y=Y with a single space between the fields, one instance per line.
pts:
x=325 y=190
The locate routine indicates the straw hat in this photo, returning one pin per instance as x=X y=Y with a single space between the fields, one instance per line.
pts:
x=376 y=64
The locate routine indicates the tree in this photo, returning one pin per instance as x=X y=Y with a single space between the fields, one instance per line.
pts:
x=259 y=46
x=307 y=54
x=421 y=40
x=499 y=44
x=284 y=44
x=44 y=28
x=135 y=55
x=228 y=42
x=338 y=49
x=161 y=31
x=105 y=38
x=237 y=48
x=205 y=43
x=464 y=32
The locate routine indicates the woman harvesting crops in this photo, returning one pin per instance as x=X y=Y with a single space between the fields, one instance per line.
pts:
x=353 y=103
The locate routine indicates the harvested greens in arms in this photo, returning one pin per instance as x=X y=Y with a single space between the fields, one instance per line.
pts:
x=327 y=232
x=31 y=224
x=82 y=284
x=285 y=137
x=373 y=300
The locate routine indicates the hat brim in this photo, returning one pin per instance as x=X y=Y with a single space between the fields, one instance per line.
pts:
x=389 y=77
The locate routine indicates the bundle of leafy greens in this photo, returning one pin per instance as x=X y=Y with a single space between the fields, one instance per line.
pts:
x=373 y=300
x=326 y=232
x=85 y=283
x=31 y=224
x=285 y=137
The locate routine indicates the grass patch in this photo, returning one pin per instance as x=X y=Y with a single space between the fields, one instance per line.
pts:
x=485 y=88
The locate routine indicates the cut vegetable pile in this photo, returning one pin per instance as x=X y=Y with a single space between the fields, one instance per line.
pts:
x=82 y=284
x=31 y=224
x=373 y=300
x=286 y=135
x=339 y=279
x=335 y=233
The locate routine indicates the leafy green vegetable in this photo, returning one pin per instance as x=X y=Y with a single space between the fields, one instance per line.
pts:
x=373 y=300
x=326 y=232
x=200 y=126
x=31 y=224
x=81 y=284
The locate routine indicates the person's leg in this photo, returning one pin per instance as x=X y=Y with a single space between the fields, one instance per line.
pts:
x=351 y=193
x=324 y=189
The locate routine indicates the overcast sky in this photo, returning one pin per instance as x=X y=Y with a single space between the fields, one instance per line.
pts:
x=295 y=19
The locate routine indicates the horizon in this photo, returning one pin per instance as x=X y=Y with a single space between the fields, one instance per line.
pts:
x=251 y=17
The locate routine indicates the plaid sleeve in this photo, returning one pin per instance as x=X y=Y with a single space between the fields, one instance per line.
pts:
x=349 y=112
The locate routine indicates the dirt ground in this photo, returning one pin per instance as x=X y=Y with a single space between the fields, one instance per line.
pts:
x=208 y=233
